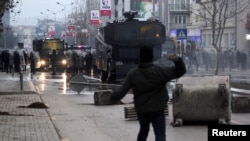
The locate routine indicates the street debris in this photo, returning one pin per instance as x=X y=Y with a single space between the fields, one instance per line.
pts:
x=38 y=105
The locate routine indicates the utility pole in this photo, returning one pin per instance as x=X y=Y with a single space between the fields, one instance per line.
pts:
x=54 y=13
x=5 y=32
x=236 y=13
x=65 y=17
x=153 y=6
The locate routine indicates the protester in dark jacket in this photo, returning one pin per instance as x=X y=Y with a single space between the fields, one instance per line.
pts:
x=148 y=83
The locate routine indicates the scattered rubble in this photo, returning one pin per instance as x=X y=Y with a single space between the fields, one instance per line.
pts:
x=38 y=105
x=7 y=113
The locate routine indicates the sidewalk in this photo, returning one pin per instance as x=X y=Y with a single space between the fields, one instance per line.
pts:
x=12 y=85
x=18 y=122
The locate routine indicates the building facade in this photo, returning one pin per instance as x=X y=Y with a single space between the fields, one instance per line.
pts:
x=236 y=28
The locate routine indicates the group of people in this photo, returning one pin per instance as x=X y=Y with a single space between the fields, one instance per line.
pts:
x=231 y=59
x=228 y=59
x=13 y=60
x=80 y=62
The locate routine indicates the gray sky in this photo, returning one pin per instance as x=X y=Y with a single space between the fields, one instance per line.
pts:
x=30 y=11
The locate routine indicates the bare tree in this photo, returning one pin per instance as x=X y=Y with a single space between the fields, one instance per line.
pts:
x=4 y=6
x=84 y=30
x=218 y=14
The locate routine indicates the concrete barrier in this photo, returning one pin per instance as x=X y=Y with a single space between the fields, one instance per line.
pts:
x=240 y=100
x=240 y=104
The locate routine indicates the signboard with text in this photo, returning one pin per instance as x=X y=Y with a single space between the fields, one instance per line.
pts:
x=105 y=7
x=94 y=17
x=51 y=30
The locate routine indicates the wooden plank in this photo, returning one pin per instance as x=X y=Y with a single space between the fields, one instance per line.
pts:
x=130 y=113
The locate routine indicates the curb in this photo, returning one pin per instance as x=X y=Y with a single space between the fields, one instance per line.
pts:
x=17 y=92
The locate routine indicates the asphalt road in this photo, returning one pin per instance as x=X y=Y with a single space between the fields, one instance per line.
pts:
x=75 y=116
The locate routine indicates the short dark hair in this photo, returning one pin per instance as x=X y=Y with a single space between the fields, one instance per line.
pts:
x=146 y=54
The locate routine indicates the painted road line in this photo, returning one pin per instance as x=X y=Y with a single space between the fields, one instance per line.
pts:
x=53 y=118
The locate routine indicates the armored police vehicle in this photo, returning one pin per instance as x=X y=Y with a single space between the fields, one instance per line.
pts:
x=51 y=53
x=118 y=44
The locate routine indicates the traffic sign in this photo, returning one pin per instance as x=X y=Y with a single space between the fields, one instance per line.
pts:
x=181 y=34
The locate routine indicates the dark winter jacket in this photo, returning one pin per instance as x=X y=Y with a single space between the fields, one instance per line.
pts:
x=148 y=83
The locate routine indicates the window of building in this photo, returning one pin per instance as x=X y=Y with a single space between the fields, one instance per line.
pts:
x=208 y=43
x=184 y=19
x=180 y=19
x=203 y=38
x=196 y=18
x=175 y=19
x=232 y=39
x=183 y=5
x=226 y=40
x=172 y=6
x=177 y=4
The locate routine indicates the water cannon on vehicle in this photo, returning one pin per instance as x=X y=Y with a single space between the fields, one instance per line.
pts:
x=130 y=15
x=118 y=44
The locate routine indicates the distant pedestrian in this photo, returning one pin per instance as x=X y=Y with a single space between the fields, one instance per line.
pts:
x=6 y=58
x=231 y=60
x=32 y=63
x=244 y=61
x=25 y=57
x=17 y=62
x=148 y=82
x=89 y=60
x=195 y=59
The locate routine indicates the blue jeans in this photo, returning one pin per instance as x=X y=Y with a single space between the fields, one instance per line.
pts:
x=159 y=125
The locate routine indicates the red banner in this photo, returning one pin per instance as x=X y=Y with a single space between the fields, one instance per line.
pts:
x=51 y=33
x=105 y=12
x=94 y=22
x=71 y=27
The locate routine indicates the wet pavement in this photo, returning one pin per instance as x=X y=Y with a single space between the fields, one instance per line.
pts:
x=11 y=84
x=72 y=116
x=18 y=122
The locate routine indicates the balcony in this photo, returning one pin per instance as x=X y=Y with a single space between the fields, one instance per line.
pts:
x=176 y=26
x=180 y=8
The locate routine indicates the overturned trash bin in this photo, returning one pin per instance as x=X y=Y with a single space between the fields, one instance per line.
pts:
x=202 y=98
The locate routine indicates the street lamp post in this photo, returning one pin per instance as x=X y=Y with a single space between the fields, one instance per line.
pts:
x=5 y=32
x=54 y=13
x=47 y=21
x=65 y=20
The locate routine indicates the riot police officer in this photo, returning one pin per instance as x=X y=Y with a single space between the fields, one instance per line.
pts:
x=88 y=59
x=32 y=63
